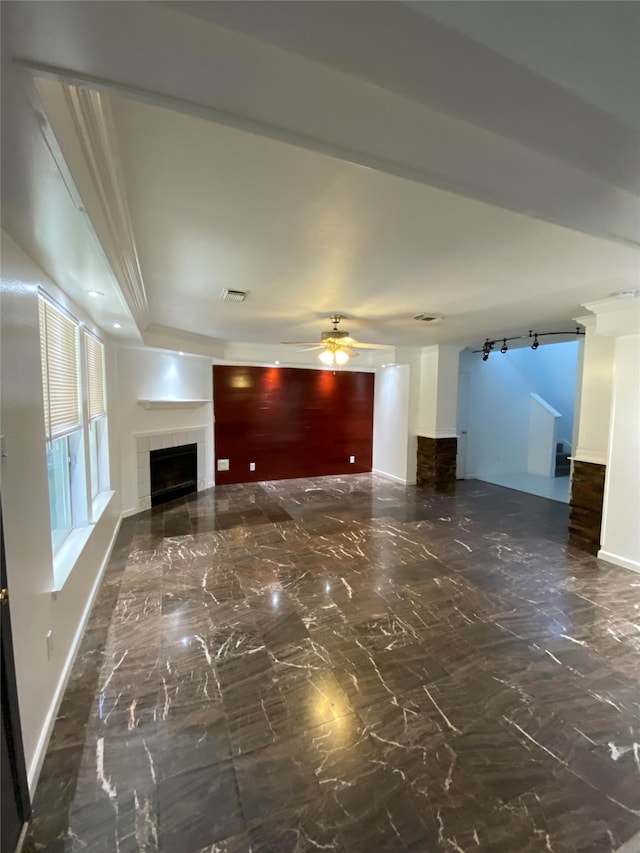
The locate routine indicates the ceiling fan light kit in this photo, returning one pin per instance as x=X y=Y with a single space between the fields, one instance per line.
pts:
x=336 y=344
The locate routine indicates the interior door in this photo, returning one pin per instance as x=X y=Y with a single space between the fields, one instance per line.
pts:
x=14 y=794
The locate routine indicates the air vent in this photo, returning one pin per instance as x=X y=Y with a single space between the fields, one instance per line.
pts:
x=233 y=295
x=428 y=318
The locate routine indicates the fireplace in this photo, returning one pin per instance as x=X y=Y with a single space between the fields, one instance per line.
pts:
x=173 y=472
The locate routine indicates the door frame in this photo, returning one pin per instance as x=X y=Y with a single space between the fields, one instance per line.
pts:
x=9 y=698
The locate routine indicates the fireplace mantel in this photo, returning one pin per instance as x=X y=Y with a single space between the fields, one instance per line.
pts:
x=172 y=404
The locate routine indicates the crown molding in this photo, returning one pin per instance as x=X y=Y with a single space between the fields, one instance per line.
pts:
x=93 y=122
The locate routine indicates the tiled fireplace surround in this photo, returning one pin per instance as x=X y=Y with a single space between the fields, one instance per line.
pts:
x=146 y=442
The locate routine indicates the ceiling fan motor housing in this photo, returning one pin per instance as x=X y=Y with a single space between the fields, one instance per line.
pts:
x=334 y=335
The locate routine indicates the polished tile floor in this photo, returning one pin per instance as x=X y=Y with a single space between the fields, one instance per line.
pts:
x=554 y=488
x=348 y=664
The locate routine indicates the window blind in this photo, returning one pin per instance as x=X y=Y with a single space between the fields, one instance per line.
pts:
x=95 y=377
x=60 y=356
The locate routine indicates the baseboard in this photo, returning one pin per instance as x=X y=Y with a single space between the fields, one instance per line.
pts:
x=127 y=513
x=33 y=773
x=392 y=477
x=618 y=561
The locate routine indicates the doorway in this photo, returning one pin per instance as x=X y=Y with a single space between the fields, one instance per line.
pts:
x=14 y=793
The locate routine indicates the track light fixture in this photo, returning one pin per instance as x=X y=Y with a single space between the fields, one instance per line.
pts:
x=488 y=345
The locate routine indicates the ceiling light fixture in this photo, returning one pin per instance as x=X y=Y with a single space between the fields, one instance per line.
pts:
x=488 y=345
x=334 y=355
x=117 y=325
x=95 y=293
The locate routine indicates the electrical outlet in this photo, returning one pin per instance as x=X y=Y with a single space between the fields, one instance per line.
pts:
x=252 y=466
x=352 y=459
x=223 y=464
x=49 y=639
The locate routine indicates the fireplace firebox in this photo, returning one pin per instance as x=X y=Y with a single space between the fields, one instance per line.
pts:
x=173 y=472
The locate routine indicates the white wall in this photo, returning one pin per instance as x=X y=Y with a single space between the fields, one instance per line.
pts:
x=498 y=404
x=594 y=414
x=621 y=519
x=35 y=609
x=543 y=420
x=551 y=371
x=391 y=421
x=158 y=374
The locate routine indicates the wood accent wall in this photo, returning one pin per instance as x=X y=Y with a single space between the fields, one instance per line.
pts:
x=291 y=422
x=587 y=497
x=437 y=463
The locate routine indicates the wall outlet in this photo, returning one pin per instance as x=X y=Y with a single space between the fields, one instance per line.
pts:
x=352 y=459
x=49 y=639
x=252 y=466
x=223 y=464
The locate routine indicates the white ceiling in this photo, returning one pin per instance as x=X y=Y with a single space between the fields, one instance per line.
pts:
x=251 y=148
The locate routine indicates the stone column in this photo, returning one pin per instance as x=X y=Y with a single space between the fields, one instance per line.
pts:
x=590 y=455
x=620 y=534
x=437 y=412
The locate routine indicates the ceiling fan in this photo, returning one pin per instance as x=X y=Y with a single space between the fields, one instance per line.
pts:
x=336 y=344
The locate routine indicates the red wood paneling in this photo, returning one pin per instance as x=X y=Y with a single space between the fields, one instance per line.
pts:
x=291 y=422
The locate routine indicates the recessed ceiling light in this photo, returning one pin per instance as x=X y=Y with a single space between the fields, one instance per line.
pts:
x=276 y=362
x=95 y=293
x=180 y=353
x=117 y=325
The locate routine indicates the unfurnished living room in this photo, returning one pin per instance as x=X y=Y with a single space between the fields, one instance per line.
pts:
x=320 y=426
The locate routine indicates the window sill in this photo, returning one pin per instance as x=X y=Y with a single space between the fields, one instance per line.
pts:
x=72 y=547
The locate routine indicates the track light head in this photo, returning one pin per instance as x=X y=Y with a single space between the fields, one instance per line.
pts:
x=536 y=342
x=504 y=346
x=485 y=355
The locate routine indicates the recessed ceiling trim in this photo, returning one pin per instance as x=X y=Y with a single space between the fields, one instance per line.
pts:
x=91 y=114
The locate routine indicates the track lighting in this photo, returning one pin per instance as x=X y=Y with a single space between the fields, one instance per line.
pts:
x=488 y=345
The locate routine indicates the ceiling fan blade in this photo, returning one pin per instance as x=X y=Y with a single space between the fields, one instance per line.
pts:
x=369 y=346
x=308 y=349
x=301 y=343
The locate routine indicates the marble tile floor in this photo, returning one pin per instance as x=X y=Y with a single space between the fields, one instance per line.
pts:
x=348 y=664
x=554 y=488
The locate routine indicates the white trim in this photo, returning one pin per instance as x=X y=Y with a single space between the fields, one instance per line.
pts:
x=172 y=404
x=450 y=432
x=69 y=552
x=596 y=457
x=33 y=772
x=148 y=432
x=632 y=565
x=392 y=477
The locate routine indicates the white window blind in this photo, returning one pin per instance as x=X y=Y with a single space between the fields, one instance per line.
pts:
x=60 y=355
x=95 y=377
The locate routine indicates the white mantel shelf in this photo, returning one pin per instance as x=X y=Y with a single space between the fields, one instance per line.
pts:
x=172 y=404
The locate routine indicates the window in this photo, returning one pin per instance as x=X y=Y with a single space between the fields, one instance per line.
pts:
x=76 y=435
x=97 y=414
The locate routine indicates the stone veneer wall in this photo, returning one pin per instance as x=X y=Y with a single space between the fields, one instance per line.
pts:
x=585 y=517
x=437 y=463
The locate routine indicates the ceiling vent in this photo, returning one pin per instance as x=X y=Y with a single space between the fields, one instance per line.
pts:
x=233 y=295
x=428 y=318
